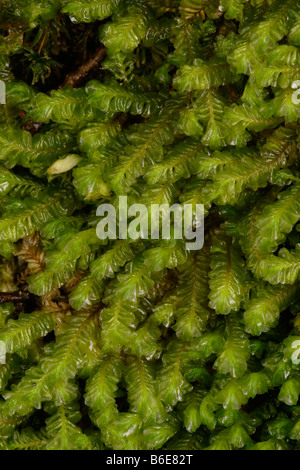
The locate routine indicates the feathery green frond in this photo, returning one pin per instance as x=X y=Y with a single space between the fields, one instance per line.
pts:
x=21 y=333
x=236 y=352
x=25 y=217
x=262 y=310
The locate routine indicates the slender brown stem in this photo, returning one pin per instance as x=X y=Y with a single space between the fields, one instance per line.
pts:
x=75 y=78
x=44 y=39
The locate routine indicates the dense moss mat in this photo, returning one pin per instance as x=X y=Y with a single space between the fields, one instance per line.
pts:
x=143 y=344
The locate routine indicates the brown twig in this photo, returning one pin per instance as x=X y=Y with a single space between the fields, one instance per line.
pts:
x=31 y=253
x=75 y=78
